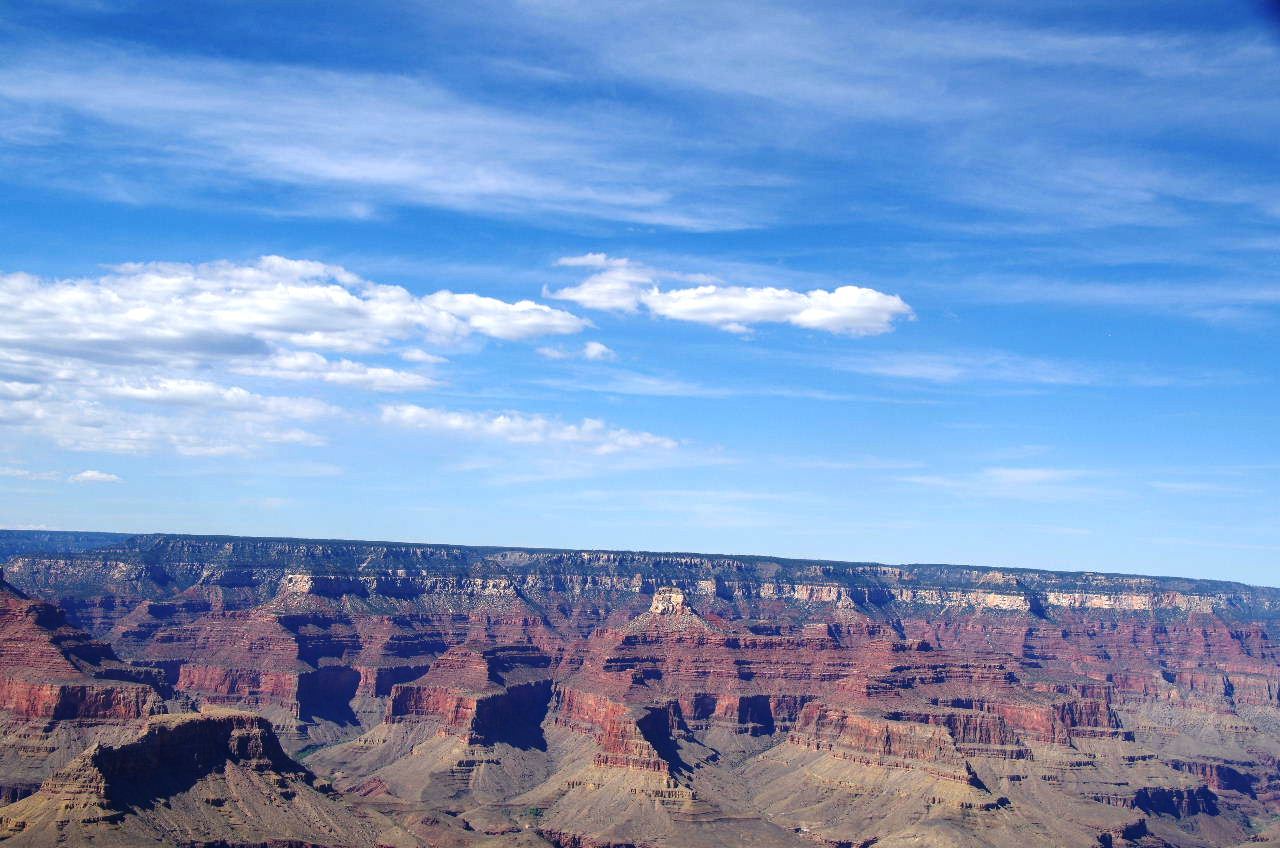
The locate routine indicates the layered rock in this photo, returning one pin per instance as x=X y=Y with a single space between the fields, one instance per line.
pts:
x=59 y=691
x=483 y=696
x=609 y=698
x=190 y=779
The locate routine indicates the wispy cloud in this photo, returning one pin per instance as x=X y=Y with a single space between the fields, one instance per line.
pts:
x=1034 y=124
x=309 y=365
x=27 y=474
x=1201 y=487
x=620 y=381
x=961 y=367
x=591 y=434
x=1019 y=483
x=92 y=476
x=167 y=126
x=1219 y=302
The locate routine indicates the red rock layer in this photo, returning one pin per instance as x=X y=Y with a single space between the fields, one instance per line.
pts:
x=51 y=670
x=1089 y=686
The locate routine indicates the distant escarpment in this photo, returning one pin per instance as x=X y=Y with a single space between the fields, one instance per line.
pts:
x=470 y=696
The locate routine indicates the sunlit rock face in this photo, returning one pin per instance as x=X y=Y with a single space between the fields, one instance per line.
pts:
x=209 y=778
x=668 y=600
x=597 y=698
x=60 y=691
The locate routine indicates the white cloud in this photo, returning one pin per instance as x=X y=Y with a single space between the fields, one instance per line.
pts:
x=92 y=476
x=848 y=309
x=148 y=356
x=162 y=310
x=598 y=352
x=420 y=356
x=622 y=286
x=994 y=366
x=1030 y=476
x=591 y=351
x=77 y=420
x=14 y=390
x=309 y=365
x=618 y=285
x=501 y=320
x=1010 y=125
x=27 y=474
x=206 y=394
x=165 y=129
x=592 y=434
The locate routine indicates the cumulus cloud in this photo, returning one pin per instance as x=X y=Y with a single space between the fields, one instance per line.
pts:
x=161 y=310
x=92 y=476
x=619 y=285
x=598 y=352
x=591 y=351
x=502 y=320
x=149 y=356
x=591 y=435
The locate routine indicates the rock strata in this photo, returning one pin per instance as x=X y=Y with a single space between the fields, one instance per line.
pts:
x=602 y=698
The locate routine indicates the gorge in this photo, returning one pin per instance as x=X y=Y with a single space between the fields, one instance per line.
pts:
x=366 y=693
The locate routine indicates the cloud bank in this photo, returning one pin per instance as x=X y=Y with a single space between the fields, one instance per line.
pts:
x=150 y=356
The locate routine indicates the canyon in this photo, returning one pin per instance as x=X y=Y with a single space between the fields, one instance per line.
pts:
x=339 y=693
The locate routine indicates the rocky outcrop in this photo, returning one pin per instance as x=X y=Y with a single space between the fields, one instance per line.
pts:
x=59 y=691
x=172 y=750
x=485 y=697
x=195 y=778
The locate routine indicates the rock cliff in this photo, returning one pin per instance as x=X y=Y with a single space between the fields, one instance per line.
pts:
x=60 y=690
x=599 y=698
x=212 y=778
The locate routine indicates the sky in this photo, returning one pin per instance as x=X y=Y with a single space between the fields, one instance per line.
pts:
x=995 y=283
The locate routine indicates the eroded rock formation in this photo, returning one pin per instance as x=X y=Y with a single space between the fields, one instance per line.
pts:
x=605 y=699
x=209 y=778
x=60 y=690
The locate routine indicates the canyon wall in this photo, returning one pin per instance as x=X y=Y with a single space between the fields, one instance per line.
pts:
x=601 y=698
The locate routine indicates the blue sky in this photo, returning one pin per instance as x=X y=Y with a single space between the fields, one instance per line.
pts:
x=900 y=282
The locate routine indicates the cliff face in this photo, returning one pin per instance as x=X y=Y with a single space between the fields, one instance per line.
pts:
x=60 y=690
x=213 y=778
x=608 y=698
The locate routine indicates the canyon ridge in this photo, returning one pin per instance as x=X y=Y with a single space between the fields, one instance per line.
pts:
x=227 y=692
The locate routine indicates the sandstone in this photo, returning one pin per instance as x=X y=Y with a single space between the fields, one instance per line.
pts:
x=613 y=698
x=195 y=778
